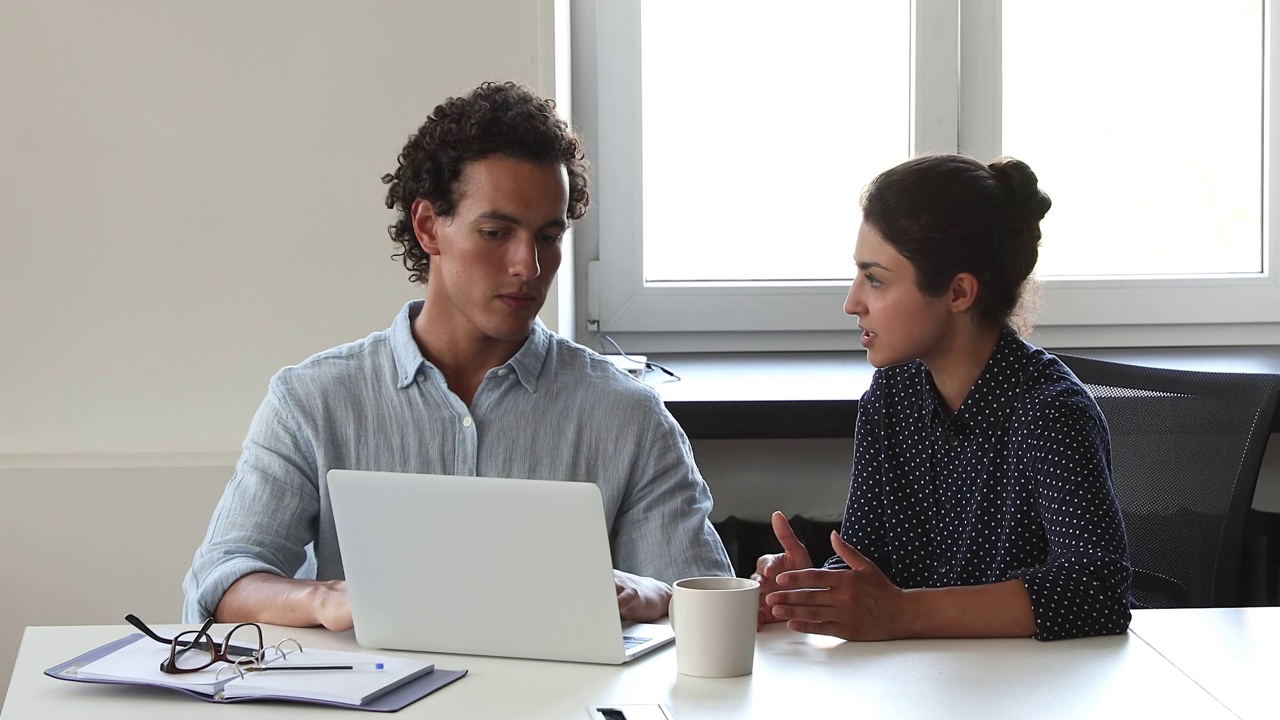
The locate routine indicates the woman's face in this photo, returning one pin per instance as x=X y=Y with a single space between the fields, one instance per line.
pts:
x=898 y=322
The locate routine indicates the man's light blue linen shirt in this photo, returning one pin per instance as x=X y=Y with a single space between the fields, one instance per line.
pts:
x=555 y=411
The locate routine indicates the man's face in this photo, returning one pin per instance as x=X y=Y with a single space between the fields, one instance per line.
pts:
x=494 y=258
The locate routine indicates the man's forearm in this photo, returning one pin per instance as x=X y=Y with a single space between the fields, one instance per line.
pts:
x=266 y=598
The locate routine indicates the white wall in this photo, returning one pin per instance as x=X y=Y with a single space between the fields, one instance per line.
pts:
x=87 y=546
x=190 y=199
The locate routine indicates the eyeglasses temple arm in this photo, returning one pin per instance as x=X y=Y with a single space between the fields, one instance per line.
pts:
x=234 y=650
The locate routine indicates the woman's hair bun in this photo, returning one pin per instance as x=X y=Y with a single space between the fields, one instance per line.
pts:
x=1023 y=186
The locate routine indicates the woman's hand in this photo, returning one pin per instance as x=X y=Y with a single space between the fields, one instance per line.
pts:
x=855 y=604
x=769 y=567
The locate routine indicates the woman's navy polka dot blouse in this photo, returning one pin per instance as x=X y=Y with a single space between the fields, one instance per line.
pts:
x=1017 y=484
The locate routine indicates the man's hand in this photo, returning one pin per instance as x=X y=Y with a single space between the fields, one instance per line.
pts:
x=641 y=599
x=856 y=604
x=769 y=567
x=333 y=605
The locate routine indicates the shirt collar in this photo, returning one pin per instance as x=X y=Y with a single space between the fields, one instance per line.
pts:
x=1003 y=370
x=528 y=360
x=932 y=413
x=526 y=363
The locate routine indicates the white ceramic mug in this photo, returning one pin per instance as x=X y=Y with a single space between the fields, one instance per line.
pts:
x=715 y=623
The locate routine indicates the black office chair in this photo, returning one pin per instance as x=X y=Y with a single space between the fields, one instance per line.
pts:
x=1185 y=450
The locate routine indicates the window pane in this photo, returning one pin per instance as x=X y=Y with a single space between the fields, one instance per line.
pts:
x=762 y=123
x=1144 y=121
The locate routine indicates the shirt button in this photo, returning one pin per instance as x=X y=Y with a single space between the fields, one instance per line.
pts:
x=946 y=502
x=421 y=378
x=466 y=422
x=953 y=441
x=503 y=372
x=942 y=567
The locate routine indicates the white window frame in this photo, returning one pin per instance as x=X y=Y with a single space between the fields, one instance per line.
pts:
x=954 y=108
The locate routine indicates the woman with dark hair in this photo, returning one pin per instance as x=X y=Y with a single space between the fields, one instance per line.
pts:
x=981 y=502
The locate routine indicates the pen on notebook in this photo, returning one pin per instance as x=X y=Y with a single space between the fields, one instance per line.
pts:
x=322 y=666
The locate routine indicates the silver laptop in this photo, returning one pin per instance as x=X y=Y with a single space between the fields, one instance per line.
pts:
x=482 y=566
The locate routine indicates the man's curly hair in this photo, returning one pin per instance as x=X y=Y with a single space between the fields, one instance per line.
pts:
x=494 y=119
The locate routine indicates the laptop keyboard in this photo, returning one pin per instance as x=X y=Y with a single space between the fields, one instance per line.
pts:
x=630 y=641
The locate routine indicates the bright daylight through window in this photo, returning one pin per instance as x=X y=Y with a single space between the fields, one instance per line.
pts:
x=1162 y=173
x=753 y=167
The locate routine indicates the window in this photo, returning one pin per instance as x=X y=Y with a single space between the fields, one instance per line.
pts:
x=732 y=142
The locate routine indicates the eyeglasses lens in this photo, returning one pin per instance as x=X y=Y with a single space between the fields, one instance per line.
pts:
x=194 y=651
x=244 y=640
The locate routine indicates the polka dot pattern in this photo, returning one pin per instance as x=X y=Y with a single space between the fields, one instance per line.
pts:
x=1016 y=484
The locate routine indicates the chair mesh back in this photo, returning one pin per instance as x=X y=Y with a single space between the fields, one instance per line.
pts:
x=1185 y=452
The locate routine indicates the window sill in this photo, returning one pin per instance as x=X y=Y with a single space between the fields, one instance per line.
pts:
x=815 y=394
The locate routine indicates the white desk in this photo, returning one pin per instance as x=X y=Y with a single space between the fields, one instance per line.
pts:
x=795 y=676
x=1233 y=653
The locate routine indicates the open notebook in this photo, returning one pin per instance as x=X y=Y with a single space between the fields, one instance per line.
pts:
x=374 y=682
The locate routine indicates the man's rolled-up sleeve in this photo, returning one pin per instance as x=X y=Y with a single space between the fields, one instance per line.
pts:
x=267 y=515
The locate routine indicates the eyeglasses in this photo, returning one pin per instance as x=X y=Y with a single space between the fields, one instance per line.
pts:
x=195 y=650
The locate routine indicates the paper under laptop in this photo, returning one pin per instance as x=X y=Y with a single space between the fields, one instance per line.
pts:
x=482 y=566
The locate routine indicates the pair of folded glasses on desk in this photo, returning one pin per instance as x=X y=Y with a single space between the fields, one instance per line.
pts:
x=242 y=649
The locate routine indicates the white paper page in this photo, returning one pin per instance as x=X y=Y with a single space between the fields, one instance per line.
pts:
x=140 y=662
x=352 y=687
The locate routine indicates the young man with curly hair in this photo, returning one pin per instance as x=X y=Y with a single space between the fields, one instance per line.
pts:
x=466 y=381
